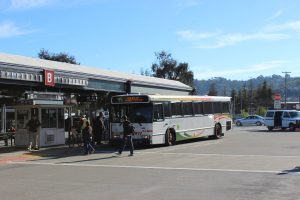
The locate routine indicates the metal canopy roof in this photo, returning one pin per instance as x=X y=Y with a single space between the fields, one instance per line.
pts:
x=95 y=73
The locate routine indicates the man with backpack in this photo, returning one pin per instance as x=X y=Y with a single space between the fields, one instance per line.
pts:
x=128 y=130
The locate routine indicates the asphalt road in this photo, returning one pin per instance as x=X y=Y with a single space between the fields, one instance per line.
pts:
x=248 y=163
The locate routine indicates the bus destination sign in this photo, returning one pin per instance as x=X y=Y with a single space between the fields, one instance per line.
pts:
x=130 y=99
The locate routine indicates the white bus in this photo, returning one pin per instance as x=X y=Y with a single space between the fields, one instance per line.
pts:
x=161 y=119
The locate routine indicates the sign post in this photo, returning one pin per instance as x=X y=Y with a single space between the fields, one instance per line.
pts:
x=277 y=101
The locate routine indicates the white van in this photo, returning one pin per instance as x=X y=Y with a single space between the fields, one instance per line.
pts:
x=282 y=119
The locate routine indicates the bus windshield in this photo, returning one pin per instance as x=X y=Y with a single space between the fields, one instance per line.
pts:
x=137 y=113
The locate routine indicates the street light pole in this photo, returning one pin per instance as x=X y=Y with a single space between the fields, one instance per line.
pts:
x=285 y=88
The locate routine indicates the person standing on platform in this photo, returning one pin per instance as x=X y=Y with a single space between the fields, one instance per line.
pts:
x=98 y=127
x=33 y=130
x=128 y=130
x=87 y=138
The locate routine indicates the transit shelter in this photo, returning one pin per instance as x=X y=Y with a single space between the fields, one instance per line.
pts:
x=51 y=116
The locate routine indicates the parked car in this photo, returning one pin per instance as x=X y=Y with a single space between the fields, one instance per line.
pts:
x=282 y=119
x=251 y=120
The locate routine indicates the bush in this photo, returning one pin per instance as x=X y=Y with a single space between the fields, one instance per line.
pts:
x=261 y=111
x=244 y=113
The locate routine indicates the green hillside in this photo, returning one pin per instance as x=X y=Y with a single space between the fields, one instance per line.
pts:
x=276 y=82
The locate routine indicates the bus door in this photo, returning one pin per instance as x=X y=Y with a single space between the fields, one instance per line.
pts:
x=278 y=118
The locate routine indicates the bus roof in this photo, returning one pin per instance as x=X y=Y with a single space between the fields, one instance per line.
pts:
x=138 y=98
x=188 y=98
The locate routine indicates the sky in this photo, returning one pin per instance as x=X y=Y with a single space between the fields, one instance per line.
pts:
x=234 y=39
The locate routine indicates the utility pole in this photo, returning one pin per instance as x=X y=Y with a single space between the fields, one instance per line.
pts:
x=243 y=93
x=285 y=87
x=251 y=97
x=241 y=101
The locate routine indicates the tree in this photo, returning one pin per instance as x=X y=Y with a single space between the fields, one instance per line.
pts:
x=145 y=72
x=212 y=90
x=224 y=90
x=233 y=100
x=166 y=67
x=264 y=95
x=60 y=57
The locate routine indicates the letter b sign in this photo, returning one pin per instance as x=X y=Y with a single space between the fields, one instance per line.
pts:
x=49 y=77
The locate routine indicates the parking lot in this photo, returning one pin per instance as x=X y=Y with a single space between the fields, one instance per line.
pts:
x=248 y=163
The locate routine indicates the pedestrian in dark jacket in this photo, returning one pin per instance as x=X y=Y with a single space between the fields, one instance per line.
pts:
x=98 y=127
x=33 y=130
x=127 y=136
x=87 y=138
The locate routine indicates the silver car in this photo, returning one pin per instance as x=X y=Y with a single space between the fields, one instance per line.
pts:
x=251 y=120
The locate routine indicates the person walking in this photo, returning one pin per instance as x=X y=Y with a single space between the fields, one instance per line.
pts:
x=87 y=138
x=33 y=127
x=127 y=136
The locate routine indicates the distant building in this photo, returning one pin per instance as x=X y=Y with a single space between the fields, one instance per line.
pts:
x=291 y=105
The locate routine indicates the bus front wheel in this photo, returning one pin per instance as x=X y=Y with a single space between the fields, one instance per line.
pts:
x=170 y=137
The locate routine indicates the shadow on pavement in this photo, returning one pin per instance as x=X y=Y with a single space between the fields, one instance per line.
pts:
x=273 y=131
x=9 y=149
x=92 y=159
x=65 y=151
x=56 y=152
x=294 y=170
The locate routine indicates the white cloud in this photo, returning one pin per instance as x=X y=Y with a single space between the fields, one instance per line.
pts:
x=218 y=40
x=194 y=35
x=233 y=39
x=240 y=73
x=26 y=4
x=276 y=15
x=289 y=26
x=12 y=5
x=188 y=3
x=9 y=29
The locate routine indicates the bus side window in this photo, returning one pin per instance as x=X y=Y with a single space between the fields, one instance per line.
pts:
x=217 y=107
x=198 y=108
x=207 y=108
x=225 y=107
x=167 y=109
x=176 y=108
x=158 y=112
x=187 y=108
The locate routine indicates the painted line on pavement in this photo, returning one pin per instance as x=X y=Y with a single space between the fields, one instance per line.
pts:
x=155 y=168
x=224 y=155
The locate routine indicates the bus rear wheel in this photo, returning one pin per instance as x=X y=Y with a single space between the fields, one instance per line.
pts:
x=170 y=137
x=218 y=131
